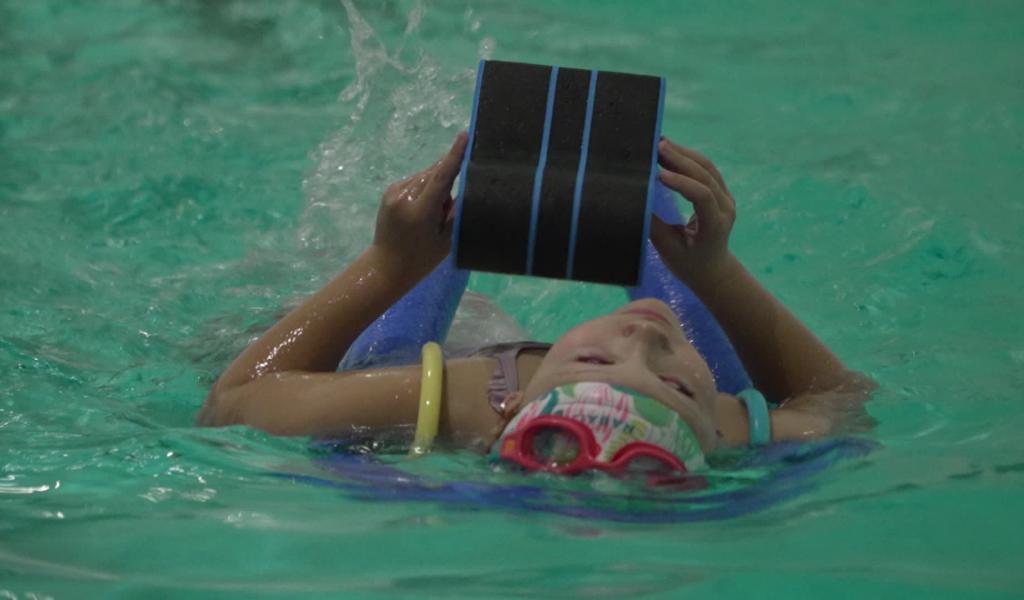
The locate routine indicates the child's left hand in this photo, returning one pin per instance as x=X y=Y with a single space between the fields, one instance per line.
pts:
x=697 y=252
x=414 y=222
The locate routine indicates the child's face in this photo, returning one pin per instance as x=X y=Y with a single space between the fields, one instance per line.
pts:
x=640 y=346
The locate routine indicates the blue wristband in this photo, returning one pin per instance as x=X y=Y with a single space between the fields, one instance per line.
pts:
x=757 y=416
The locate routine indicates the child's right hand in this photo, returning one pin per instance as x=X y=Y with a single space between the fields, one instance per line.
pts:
x=697 y=252
x=414 y=222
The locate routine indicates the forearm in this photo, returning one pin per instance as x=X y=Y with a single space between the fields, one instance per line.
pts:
x=783 y=357
x=315 y=335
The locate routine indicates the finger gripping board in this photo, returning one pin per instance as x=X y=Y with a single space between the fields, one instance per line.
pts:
x=559 y=172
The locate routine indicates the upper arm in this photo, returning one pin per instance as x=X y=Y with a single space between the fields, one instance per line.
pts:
x=317 y=404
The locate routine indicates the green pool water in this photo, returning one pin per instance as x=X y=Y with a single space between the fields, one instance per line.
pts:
x=175 y=173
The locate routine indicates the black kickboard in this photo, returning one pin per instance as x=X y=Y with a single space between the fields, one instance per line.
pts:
x=558 y=173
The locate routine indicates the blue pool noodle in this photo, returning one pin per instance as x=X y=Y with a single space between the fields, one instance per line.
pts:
x=700 y=326
x=425 y=314
x=422 y=315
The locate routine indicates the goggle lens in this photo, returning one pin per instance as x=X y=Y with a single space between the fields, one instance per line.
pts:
x=554 y=447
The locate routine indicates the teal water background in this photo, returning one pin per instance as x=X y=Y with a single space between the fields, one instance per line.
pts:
x=174 y=173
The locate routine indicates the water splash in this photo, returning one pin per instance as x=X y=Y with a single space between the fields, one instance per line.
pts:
x=399 y=110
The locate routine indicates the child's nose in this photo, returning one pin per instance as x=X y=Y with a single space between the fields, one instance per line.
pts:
x=648 y=335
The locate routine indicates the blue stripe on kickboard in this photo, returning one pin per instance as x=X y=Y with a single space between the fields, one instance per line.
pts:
x=580 y=172
x=538 y=178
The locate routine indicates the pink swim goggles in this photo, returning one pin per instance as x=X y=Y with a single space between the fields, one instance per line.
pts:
x=599 y=426
x=531 y=447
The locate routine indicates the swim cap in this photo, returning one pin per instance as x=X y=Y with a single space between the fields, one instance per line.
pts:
x=616 y=417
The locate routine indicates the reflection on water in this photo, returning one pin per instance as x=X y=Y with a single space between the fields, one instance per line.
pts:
x=175 y=174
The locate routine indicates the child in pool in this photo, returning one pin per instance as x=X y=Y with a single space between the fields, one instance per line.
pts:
x=286 y=381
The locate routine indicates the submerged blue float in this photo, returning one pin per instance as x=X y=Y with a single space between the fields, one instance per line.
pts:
x=422 y=315
x=425 y=314
x=783 y=471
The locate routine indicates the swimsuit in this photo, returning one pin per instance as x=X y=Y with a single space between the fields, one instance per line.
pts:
x=505 y=379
